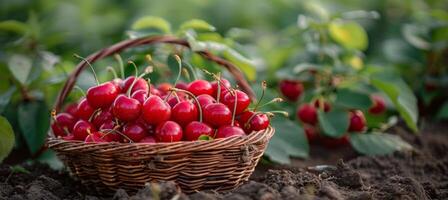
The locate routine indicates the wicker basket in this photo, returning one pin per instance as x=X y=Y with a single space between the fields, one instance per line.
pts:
x=220 y=164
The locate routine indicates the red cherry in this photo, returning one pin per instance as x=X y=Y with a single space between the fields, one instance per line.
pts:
x=173 y=101
x=155 y=91
x=184 y=113
x=242 y=103
x=70 y=137
x=164 y=88
x=63 y=121
x=134 y=131
x=205 y=100
x=326 y=105
x=140 y=95
x=229 y=131
x=102 y=96
x=195 y=129
x=84 y=110
x=140 y=84
x=148 y=139
x=107 y=125
x=379 y=105
x=168 y=131
x=307 y=114
x=119 y=83
x=102 y=117
x=155 y=110
x=109 y=135
x=217 y=114
x=291 y=89
x=332 y=143
x=71 y=109
x=126 y=109
x=199 y=87
x=96 y=137
x=311 y=133
x=82 y=129
x=258 y=121
x=224 y=85
x=357 y=121
x=182 y=86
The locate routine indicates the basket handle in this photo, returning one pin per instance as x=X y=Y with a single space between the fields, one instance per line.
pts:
x=118 y=47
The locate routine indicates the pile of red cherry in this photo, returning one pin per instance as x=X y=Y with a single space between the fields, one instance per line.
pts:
x=307 y=114
x=133 y=110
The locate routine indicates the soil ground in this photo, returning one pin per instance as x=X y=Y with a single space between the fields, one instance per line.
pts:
x=418 y=174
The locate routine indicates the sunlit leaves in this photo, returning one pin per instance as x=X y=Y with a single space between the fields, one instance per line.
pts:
x=196 y=24
x=348 y=34
x=13 y=26
x=7 y=138
x=152 y=22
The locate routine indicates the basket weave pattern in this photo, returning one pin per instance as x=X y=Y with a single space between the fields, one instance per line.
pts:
x=220 y=164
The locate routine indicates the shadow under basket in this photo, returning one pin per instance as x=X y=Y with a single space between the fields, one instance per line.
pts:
x=220 y=164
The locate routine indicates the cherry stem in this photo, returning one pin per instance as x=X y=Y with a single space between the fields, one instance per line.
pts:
x=149 y=87
x=275 y=100
x=111 y=69
x=128 y=93
x=271 y=113
x=220 y=83
x=263 y=86
x=218 y=95
x=90 y=65
x=108 y=131
x=80 y=90
x=179 y=62
x=122 y=134
x=194 y=98
x=234 y=93
x=120 y=63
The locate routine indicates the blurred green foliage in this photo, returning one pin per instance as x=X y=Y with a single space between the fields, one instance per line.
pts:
x=38 y=39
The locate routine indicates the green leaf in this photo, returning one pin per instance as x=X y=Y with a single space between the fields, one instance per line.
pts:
x=334 y=123
x=349 y=34
x=242 y=63
x=34 y=122
x=191 y=70
x=414 y=35
x=246 y=65
x=443 y=112
x=378 y=143
x=152 y=22
x=205 y=137
x=5 y=98
x=7 y=138
x=196 y=24
x=289 y=140
x=401 y=96
x=304 y=67
x=13 y=26
x=19 y=169
x=49 y=157
x=21 y=67
x=353 y=99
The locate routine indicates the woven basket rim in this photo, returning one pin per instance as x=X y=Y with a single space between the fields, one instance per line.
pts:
x=254 y=136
